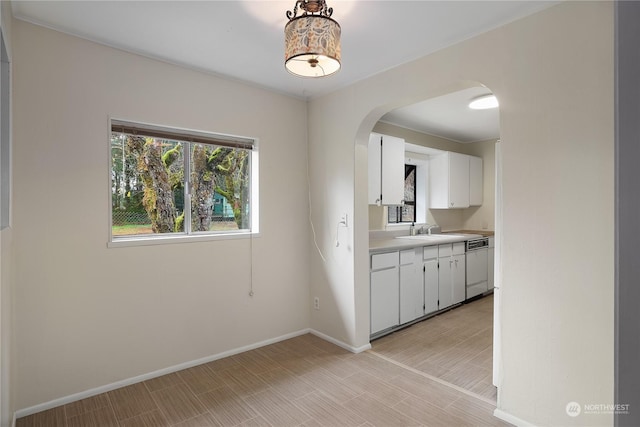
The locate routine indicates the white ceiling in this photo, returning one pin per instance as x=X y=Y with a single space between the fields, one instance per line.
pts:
x=450 y=117
x=244 y=39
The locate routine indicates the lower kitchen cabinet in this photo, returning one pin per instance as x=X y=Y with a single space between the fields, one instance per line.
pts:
x=430 y=278
x=451 y=274
x=411 y=288
x=445 y=293
x=385 y=291
x=409 y=284
x=458 y=278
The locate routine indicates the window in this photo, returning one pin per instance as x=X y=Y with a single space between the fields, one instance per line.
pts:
x=171 y=183
x=406 y=212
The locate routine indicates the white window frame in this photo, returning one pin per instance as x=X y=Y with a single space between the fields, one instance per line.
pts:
x=421 y=162
x=190 y=136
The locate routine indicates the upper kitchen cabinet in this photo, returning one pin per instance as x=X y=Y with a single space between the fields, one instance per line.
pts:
x=455 y=181
x=386 y=170
x=449 y=181
x=475 y=181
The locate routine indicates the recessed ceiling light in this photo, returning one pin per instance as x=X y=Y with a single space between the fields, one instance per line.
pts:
x=484 y=102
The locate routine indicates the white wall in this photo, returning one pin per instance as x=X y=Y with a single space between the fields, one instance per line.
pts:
x=86 y=315
x=483 y=217
x=558 y=144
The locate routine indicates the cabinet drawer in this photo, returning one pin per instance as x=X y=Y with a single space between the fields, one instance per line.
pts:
x=430 y=252
x=458 y=248
x=449 y=249
x=380 y=261
x=444 y=250
x=407 y=257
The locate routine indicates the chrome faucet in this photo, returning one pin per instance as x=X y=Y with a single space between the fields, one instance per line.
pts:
x=431 y=227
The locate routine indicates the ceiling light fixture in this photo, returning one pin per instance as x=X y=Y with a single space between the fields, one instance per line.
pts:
x=484 y=102
x=312 y=40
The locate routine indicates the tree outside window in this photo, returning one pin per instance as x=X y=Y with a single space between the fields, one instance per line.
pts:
x=167 y=184
x=406 y=212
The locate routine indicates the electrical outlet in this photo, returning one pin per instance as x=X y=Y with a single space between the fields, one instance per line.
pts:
x=343 y=220
x=316 y=303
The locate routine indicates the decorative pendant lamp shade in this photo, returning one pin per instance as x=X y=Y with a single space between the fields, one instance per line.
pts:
x=312 y=40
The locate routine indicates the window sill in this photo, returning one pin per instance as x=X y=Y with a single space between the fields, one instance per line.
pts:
x=164 y=240
x=398 y=225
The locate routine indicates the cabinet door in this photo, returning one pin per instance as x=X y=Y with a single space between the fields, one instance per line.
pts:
x=375 y=169
x=475 y=181
x=411 y=293
x=458 y=278
x=449 y=181
x=445 y=295
x=458 y=180
x=439 y=181
x=392 y=170
x=430 y=286
x=385 y=295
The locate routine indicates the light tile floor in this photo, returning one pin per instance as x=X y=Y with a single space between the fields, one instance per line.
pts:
x=435 y=373
x=455 y=347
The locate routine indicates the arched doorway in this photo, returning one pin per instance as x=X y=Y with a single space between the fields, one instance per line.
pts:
x=416 y=125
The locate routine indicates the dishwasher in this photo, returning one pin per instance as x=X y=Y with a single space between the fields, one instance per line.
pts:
x=477 y=253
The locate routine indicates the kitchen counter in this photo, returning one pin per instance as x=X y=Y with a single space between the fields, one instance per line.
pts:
x=394 y=243
x=483 y=233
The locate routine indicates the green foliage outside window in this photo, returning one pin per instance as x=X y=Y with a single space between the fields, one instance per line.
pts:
x=149 y=188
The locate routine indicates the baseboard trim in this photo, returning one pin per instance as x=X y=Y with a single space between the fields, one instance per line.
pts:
x=339 y=343
x=511 y=419
x=144 y=377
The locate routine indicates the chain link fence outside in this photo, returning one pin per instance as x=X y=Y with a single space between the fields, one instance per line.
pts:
x=125 y=218
x=120 y=217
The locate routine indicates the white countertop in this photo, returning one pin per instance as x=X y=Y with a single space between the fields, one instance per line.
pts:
x=386 y=244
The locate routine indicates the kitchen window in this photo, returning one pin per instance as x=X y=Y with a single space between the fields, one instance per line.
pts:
x=172 y=184
x=407 y=211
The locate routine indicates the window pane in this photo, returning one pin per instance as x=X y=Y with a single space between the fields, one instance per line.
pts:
x=409 y=183
x=164 y=182
x=146 y=185
x=408 y=213
x=220 y=188
x=392 y=214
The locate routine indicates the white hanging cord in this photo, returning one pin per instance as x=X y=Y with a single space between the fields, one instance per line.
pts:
x=251 y=261
x=313 y=230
